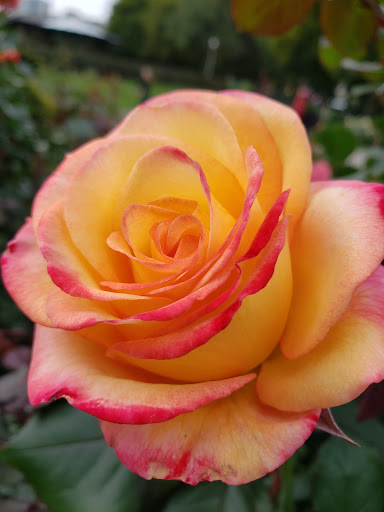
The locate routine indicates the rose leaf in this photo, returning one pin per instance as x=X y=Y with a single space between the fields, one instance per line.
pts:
x=63 y=455
x=348 y=25
x=348 y=479
x=369 y=432
x=269 y=18
x=219 y=497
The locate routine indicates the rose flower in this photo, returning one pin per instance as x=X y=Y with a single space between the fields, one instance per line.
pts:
x=195 y=292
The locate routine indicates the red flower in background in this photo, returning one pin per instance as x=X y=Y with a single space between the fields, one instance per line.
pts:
x=321 y=171
x=9 y=4
x=10 y=55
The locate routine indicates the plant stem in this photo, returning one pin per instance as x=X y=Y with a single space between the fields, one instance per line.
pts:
x=287 y=482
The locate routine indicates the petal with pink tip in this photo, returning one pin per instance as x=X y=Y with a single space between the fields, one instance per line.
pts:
x=191 y=336
x=338 y=244
x=341 y=367
x=235 y=439
x=148 y=270
x=167 y=171
x=250 y=130
x=71 y=273
x=218 y=274
x=137 y=221
x=238 y=239
x=24 y=273
x=292 y=143
x=73 y=313
x=66 y=365
x=196 y=123
x=66 y=265
x=90 y=201
x=256 y=327
x=54 y=187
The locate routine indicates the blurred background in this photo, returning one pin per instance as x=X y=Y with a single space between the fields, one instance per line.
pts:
x=70 y=70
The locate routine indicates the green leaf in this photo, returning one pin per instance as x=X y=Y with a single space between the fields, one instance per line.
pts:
x=337 y=141
x=64 y=457
x=380 y=44
x=348 y=26
x=218 y=497
x=214 y=497
x=273 y=17
x=348 y=479
x=328 y=56
x=370 y=431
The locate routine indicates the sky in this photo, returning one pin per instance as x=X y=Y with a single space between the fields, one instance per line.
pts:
x=96 y=9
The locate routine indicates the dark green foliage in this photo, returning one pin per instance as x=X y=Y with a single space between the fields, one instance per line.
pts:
x=348 y=478
x=177 y=31
x=338 y=141
x=64 y=457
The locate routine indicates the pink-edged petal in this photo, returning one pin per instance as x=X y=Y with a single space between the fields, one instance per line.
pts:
x=148 y=270
x=196 y=123
x=187 y=245
x=137 y=222
x=180 y=227
x=24 y=273
x=66 y=265
x=221 y=181
x=341 y=367
x=73 y=313
x=181 y=306
x=238 y=239
x=338 y=244
x=256 y=327
x=250 y=130
x=184 y=340
x=219 y=273
x=90 y=202
x=54 y=187
x=235 y=440
x=168 y=171
x=71 y=273
x=66 y=365
x=266 y=229
x=292 y=143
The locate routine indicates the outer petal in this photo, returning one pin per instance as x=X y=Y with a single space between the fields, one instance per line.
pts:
x=338 y=370
x=66 y=365
x=337 y=246
x=54 y=187
x=235 y=440
x=292 y=143
x=24 y=272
